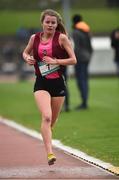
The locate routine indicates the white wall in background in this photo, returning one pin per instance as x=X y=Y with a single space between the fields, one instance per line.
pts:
x=102 y=61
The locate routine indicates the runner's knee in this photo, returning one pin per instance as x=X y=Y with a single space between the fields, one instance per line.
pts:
x=46 y=118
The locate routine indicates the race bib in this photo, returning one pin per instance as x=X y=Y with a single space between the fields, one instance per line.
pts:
x=46 y=69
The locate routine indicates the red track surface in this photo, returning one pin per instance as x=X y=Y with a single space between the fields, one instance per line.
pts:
x=23 y=157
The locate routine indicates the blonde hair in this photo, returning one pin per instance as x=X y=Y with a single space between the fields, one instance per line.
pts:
x=50 y=12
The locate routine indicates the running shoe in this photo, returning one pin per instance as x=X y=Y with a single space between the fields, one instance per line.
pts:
x=51 y=159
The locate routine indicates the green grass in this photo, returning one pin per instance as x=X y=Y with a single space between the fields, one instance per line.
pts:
x=12 y=20
x=94 y=131
x=100 y=20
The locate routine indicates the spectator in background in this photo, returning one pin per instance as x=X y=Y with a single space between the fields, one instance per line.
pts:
x=66 y=102
x=115 y=46
x=83 y=52
x=22 y=34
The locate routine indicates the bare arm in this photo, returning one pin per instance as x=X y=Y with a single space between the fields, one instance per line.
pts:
x=66 y=44
x=28 y=50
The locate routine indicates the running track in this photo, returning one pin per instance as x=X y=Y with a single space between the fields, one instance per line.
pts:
x=23 y=157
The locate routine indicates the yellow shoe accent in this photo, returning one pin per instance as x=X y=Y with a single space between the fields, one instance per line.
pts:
x=51 y=159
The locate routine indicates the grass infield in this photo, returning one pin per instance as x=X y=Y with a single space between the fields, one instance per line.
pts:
x=100 y=20
x=94 y=131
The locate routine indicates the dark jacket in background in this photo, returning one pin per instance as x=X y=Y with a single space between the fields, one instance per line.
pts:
x=115 y=43
x=82 y=42
x=83 y=52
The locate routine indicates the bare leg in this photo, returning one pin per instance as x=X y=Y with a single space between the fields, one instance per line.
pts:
x=49 y=108
x=43 y=100
x=56 y=103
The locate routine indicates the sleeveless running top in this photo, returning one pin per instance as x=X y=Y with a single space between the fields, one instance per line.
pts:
x=51 y=48
x=45 y=49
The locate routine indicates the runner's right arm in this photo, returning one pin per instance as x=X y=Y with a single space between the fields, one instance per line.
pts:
x=28 y=50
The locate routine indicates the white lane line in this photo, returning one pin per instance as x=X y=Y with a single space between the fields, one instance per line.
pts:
x=76 y=153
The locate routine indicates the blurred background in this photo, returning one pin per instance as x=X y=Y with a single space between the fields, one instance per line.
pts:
x=96 y=131
x=20 y=19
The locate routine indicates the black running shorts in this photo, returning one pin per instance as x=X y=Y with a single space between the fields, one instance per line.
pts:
x=55 y=87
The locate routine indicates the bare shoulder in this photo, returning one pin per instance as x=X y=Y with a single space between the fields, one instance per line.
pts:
x=31 y=40
x=63 y=37
x=32 y=37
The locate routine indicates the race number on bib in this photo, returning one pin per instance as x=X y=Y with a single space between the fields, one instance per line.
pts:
x=46 y=69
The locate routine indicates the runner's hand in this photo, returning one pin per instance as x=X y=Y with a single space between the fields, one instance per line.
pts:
x=30 y=60
x=49 y=60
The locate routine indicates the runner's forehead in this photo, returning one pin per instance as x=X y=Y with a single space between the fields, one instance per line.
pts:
x=50 y=18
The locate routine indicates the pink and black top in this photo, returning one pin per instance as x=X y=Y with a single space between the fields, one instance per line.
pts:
x=50 y=48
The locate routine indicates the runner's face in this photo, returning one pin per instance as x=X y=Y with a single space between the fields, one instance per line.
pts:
x=49 y=24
